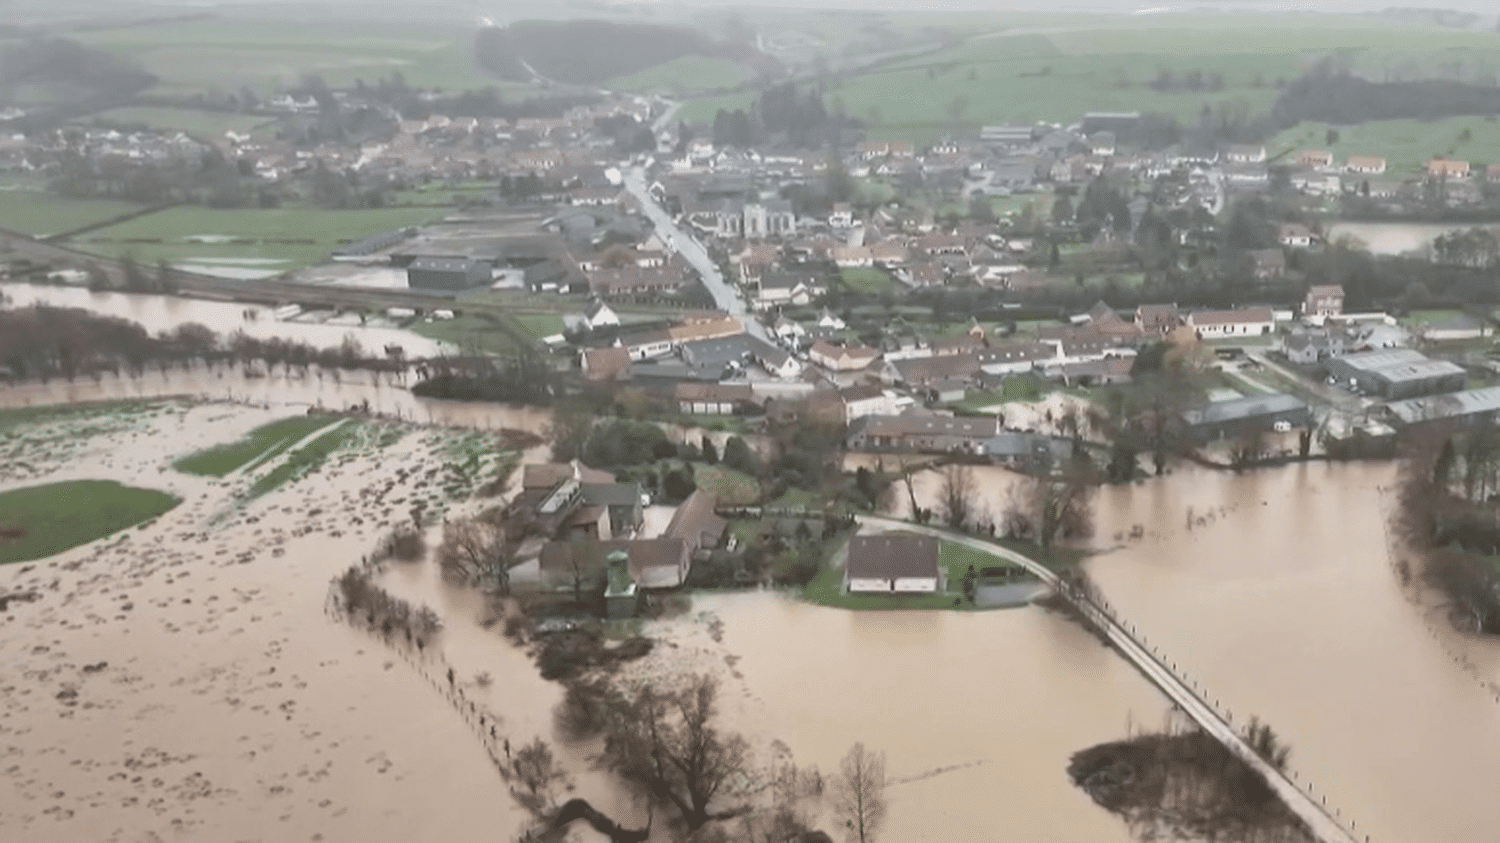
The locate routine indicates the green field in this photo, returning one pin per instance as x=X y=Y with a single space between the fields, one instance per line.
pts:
x=539 y=326
x=684 y=76
x=1057 y=76
x=304 y=460
x=202 y=124
x=259 y=445
x=56 y=517
x=39 y=214
x=283 y=238
x=727 y=484
x=266 y=55
x=468 y=332
x=1406 y=145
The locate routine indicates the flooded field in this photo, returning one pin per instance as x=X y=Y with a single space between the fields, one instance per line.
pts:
x=164 y=313
x=184 y=678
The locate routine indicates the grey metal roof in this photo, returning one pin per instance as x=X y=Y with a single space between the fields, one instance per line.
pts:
x=1370 y=361
x=1419 y=370
x=1244 y=408
x=1466 y=403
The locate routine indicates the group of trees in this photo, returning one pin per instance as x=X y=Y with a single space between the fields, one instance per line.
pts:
x=591 y=52
x=665 y=742
x=783 y=111
x=356 y=596
x=479 y=550
x=524 y=378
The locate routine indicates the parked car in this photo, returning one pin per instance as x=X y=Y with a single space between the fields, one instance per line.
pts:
x=1282 y=426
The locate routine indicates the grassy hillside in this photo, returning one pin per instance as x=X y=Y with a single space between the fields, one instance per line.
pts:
x=37 y=213
x=685 y=76
x=1406 y=145
x=591 y=52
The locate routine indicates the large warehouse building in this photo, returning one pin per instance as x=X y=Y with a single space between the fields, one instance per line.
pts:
x=1470 y=405
x=1241 y=416
x=449 y=274
x=1397 y=373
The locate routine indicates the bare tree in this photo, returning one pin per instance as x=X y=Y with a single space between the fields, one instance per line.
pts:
x=536 y=772
x=475 y=551
x=859 y=792
x=1051 y=505
x=956 y=495
x=665 y=743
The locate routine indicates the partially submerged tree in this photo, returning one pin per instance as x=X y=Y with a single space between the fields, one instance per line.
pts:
x=536 y=773
x=664 y=742
x=859 y=793
x=476 y=551
x=956 y=496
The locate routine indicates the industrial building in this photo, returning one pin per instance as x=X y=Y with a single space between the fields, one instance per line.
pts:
x=1470 y=405
x=1397 y=373
x=450 y=274
x=1241 y=416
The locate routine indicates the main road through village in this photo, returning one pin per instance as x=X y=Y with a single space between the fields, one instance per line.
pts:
x=1191 y=699
x=724 y=294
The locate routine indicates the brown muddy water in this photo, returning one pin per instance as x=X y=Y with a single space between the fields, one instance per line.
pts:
x=231 y=707
x=164 y=313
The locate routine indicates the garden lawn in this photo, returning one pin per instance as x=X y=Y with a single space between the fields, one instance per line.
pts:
x=53 y=518
x=867 y=280
x=41 y=214
x=729 y=485
x=539 y=326
x=261 y=444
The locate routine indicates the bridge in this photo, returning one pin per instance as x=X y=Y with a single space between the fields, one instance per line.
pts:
x=1313 y=811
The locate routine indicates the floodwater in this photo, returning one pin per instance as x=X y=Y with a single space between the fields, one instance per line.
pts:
x=1396 y=238
x=231 y=706
x=160 y=313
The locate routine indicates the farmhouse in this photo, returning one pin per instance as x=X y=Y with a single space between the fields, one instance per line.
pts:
x=1157 y=320
x=893 y=564
x=866 y=400
x=929 y=434
x=1365 y=165
x=1294 y=235
x=841 y=358
x=1447 y=168
x=1241 y=322
x=1323 y=300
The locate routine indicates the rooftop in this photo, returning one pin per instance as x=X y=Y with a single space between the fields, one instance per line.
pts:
x=890 y=556
x=1244 y=408
x=1466 y=403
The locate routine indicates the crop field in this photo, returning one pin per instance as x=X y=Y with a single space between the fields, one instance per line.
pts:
x=230 y=54
x=1406 y=145
x=36 y=213
x=203 y=124
x=279 y=239
x=41 y=521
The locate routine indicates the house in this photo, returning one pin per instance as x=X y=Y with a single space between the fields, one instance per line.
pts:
x=605 y=511
x=1245 y=154
x=1245 y=416
x=756 y=259
x=1010 y=358
x=1317 y=183
x=650 y=563
x=1318 y=159
x=852 y=256
x=1306 y=349
x=600 y=315
x=634 y=281
x=1157 y=320
x=1268 y=263
x=606 y=364
x=646 y=344
x=842 y=216
x=925 y=434
x=1294 y=235
x=716 y=354
x=1447 y=168
x=846 y=358
x=866 y=400
x=922 y=372
x=784 y=288
x=695 y=398
x=1241 y=322
x=696 y=523
x=899 y=564
x=1323 y=300
x=968 y=343
x=1365 y=165
x=711 y=328
x=776 y=361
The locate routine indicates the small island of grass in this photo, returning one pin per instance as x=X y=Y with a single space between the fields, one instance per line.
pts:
x=41 y=521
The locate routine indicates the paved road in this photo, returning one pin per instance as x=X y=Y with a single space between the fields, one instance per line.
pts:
x=1338 y=398
x=725 y=296
x=1161 y=673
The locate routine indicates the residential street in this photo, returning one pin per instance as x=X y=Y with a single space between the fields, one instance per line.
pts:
x=725 y=295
